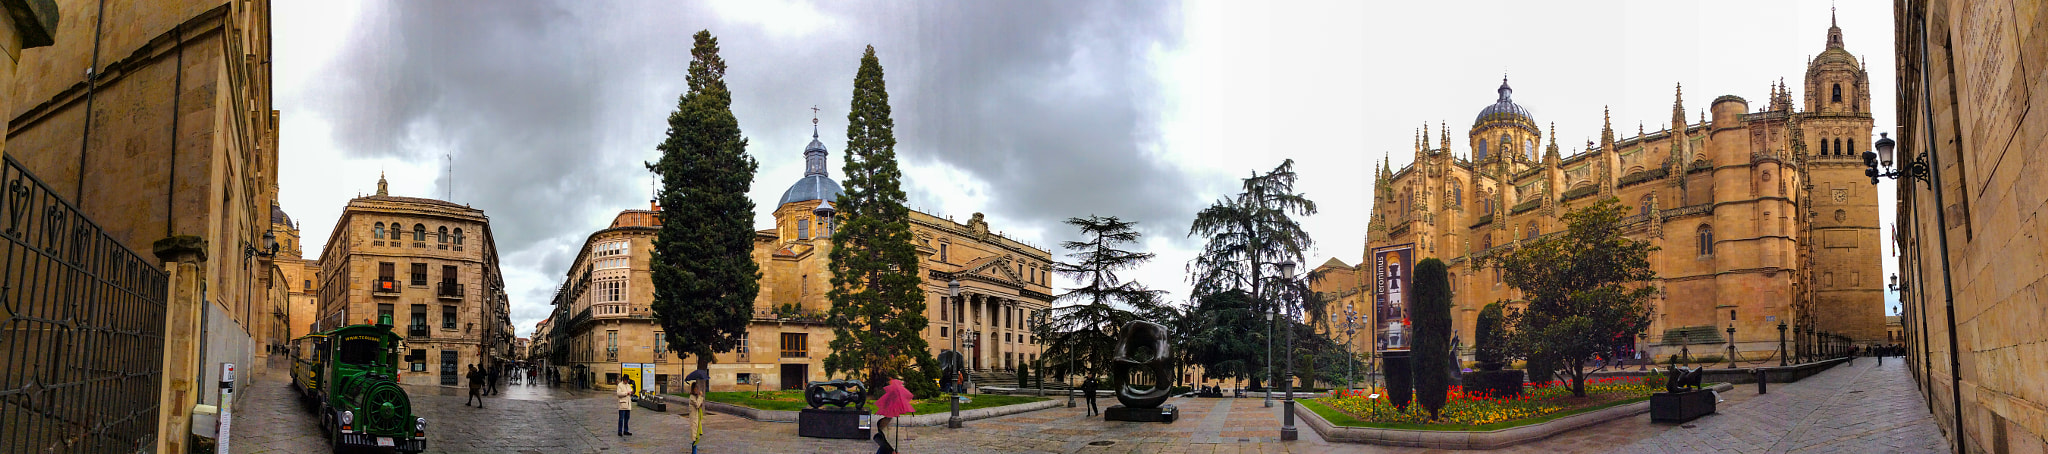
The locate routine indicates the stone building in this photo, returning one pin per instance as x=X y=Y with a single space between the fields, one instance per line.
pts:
x=1762 y=215
x=1004 y=282
x=429 y=265
x=300 y=276
x=154 y=120
x=1973 y=233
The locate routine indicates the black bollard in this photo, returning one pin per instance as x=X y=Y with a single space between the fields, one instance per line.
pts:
x=1763 y=382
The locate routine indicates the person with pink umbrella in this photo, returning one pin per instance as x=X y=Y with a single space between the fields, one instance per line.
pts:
x=895 y=401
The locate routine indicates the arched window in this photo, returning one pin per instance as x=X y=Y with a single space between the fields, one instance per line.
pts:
x=1838 y=146
x=1407 y=201
x=1486 y=241
x=1838 y=93
x=419 y=232
x=379 y=231
x=442 y=235
x=1823 y=147
x=1851 y=150
x=1531 y=233
x=1706 y=239
x=1457 y=195
x=458 y=235
x=1480 y=153
x=1507 y=144
x=1529 y=149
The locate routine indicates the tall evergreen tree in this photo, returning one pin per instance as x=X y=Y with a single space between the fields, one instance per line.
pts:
x=877 y=315
x=1086 y=321
x=705 y=278
x=1249 y=235
x=1432 y=318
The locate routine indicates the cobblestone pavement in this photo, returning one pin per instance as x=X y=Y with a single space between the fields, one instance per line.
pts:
x=1862 y=408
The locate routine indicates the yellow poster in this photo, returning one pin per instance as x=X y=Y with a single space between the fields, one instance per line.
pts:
x=632 y=370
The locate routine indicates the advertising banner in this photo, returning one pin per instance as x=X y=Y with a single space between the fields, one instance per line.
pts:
x=633 y=370
x=1392 y=267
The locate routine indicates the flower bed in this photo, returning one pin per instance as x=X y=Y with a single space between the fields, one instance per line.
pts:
x=791 y=400
x=1463 y=411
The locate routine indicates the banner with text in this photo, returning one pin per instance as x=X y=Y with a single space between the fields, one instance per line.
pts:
x=1391 y=277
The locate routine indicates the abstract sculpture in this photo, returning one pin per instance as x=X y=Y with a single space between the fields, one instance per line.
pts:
x=844 y=392
x=1142 y=350
x=1683 y=379
x=950 y=364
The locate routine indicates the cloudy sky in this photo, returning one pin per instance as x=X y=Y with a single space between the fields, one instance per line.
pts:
x=1029 y=112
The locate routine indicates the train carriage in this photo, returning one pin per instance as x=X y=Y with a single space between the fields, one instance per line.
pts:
x=349 y=375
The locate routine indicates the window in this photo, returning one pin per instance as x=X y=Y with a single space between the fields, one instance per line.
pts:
x=611 y=263
x=1706 y=239
x=419 y=317
x=945 y=307
x=1480 y=153
x=447 y=317
x=419 y=274
x=386 y=271
x=378 y=232
x=803 y=229
x=942 y=251
x=744 y=378
x=458 y=236
x=1457 y=195
x=1530 y=234
x=1824 y=147
x=1486 y=241
x=309 y=285
x=1407 y=201
x=385 y=311
x=448 y=273
x=1838 y=93
x=611 y=290
x=419 y=232
x=441 y=236
x=1645 y=205
x=419 y=360
x=610 y=249
x=1851 y=150
x=944 y=332
x=1838 y=146
x=611 y=345
x=796 y=345
x=1529 y=149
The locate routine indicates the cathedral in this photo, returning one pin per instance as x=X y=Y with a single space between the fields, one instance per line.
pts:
x=1763 y=216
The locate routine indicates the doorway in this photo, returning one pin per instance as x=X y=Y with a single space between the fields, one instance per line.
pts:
x=448 y=371
x=794 y=375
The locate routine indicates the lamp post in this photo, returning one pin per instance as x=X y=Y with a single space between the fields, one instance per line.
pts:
x=1781 y=343
x=1287 y=432
x=1350 y=337
x=953 y=294
x=1268 y=398
x=1643 y=355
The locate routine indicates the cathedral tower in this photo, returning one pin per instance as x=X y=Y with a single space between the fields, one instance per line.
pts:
x=1844 y=276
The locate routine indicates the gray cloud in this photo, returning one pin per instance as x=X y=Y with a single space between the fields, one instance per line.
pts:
x=548 y=109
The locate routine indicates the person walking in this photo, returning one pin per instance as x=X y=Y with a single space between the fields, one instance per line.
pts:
x=491 y=381
x=1088 y=391
x=476 y=386
x=895 y=401
x=698 y=382
x=624 y=389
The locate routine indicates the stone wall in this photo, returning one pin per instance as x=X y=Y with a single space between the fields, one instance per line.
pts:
x=1977 y=102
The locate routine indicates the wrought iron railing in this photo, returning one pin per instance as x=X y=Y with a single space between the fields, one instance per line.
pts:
x=81 y=328
x=384 y=286
x=450 y=290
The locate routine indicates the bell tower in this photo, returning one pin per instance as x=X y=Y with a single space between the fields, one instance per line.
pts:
x=1847 y=295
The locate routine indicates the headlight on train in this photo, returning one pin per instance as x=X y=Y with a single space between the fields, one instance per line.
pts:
x=348 y=417
x=419 y=425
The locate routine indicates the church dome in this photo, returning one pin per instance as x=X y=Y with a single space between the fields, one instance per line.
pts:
x=1504 y=109
x=812 y=187
x=816 y=184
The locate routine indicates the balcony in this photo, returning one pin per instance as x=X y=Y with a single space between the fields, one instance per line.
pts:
x=449 y=290
x=384 y=287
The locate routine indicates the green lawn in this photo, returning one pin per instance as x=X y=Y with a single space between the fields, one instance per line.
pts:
x=794 y=400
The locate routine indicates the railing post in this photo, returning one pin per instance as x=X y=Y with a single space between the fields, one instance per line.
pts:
x=184 y=260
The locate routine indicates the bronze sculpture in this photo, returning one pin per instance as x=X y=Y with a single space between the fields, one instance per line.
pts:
x=1143 y=347
x=844 y=392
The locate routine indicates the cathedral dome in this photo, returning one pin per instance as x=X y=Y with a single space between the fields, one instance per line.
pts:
x=812 y=187
x=816 y=184
x=1504 y=109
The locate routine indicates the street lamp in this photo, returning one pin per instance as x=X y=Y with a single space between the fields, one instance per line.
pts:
x=1915 y=169
x=1287 y=432
x=952 y=293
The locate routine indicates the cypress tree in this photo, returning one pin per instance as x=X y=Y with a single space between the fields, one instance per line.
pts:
x=877 y=297
x=705 y=278
x=1490 y=346
x=1432 y=319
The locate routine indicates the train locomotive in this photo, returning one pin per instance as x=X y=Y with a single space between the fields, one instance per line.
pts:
x=349 y=375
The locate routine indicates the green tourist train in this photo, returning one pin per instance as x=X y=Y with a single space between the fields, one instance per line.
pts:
x=349 y=375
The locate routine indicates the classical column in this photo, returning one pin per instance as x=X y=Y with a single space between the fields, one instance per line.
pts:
x=184 y=262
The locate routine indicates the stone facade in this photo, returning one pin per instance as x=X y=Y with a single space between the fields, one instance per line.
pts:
x=1003 y=282
x=1973 y=91
x=155 y=120
x=1760 y=215
x=435 y=274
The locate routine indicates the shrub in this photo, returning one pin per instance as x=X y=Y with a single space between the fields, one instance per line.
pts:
x=1432 y=320
x=1400 y=383
x=1023 y=376
x=1489 y=339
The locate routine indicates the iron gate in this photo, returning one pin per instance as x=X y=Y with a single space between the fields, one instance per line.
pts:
x=81 y=328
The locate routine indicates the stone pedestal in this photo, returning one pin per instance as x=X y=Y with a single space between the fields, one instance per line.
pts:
x=1682 y=406
x=1165 y=414
x=831 y=423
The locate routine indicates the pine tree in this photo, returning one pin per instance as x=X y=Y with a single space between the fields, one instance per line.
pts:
x=878 y=305
x=1249 y=235
x=705 y=278
x=1085 y=327
x=1432 y=319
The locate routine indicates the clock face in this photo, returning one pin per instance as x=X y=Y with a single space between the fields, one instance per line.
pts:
x=1841 y=195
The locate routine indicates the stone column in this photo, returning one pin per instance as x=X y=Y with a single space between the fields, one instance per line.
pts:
x=184 y=260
